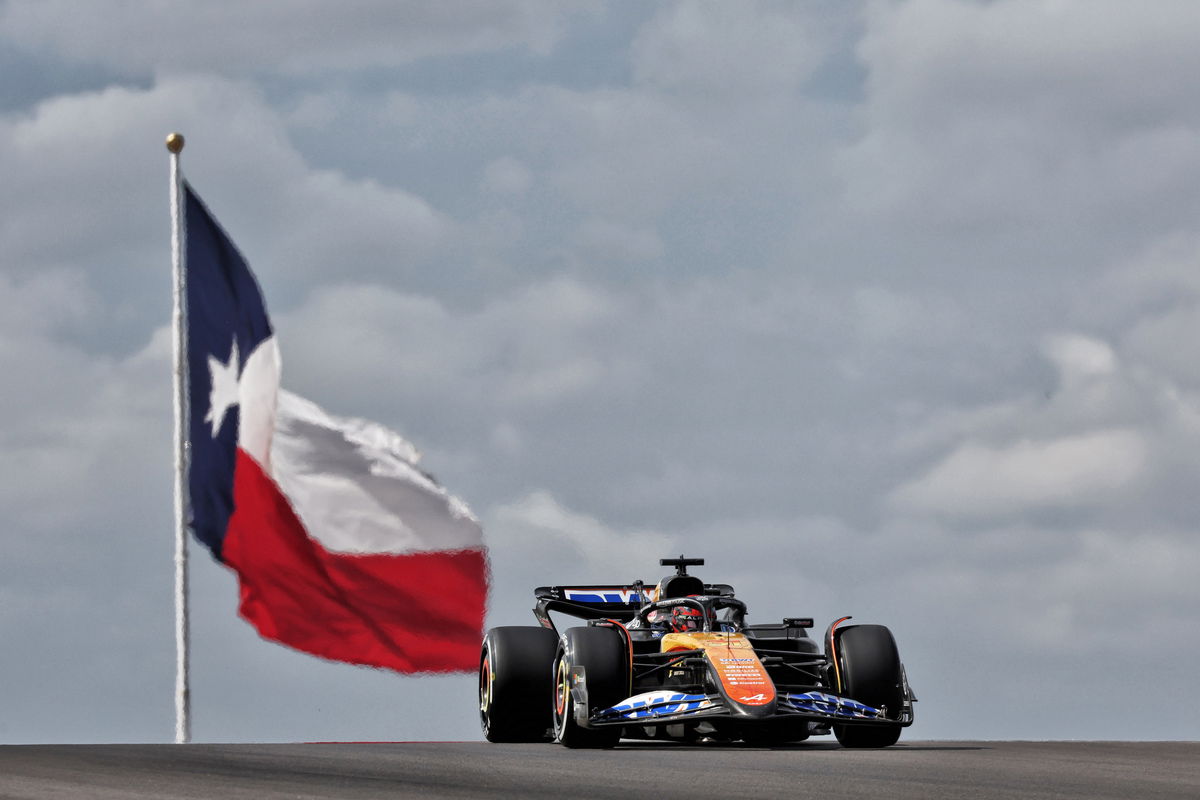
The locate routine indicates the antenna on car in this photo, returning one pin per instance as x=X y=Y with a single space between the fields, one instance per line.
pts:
x=681 y=564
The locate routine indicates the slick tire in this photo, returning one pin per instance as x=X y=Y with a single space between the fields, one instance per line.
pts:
x=515 y=678
x=601 y=653
x=871 y=674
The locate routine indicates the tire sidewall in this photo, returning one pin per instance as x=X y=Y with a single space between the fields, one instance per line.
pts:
x=870 y=671
x=601 y=652
x=514 y=666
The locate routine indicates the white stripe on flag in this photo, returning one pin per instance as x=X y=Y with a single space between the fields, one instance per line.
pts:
x=355 y=486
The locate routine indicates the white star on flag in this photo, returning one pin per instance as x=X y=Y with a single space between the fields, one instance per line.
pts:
x=225 y=389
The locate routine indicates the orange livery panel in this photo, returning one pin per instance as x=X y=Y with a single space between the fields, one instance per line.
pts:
x=742 y=675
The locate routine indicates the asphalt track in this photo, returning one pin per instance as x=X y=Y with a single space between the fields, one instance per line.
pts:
x=927 y=770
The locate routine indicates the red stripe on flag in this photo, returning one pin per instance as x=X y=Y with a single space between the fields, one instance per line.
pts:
x=420 y=612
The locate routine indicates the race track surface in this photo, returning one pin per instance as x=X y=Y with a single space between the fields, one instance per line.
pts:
x=926 y=770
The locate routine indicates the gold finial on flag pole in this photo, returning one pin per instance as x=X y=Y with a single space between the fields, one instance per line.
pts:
x=175 y=142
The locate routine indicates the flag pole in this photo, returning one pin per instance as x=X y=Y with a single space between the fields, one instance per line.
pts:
x=178 y=321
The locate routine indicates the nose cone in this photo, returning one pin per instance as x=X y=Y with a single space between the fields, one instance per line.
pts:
x=740 y=676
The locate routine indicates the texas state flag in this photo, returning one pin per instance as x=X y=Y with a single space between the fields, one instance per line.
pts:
x=342 y=546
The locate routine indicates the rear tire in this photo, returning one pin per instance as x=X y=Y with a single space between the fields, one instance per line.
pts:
x=601 y=653
x=870 y=670
x=515 y=678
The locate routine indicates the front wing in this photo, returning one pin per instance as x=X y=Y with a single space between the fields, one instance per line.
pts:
x=671 y=707
x=667 y=707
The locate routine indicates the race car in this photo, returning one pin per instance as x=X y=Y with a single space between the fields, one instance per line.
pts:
x=679 y=662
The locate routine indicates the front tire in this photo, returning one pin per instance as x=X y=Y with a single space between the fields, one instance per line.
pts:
x=871 y=674
x=601 y=653
x=514 y=681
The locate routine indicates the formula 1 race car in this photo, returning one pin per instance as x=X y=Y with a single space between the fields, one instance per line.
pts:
x=678 y=662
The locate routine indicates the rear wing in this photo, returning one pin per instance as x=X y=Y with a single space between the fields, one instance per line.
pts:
x=594 y=601
x=589 y=602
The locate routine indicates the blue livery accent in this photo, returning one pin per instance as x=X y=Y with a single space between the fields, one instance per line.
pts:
x=829 y=705
x=601 y=594
x=657 y=704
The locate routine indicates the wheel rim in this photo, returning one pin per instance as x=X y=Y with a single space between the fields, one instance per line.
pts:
x=562 y=693
x=485 y=688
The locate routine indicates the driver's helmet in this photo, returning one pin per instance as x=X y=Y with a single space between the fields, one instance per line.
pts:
x=686 y=618
x=659 y=618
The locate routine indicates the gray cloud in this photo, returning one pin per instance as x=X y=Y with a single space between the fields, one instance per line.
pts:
x=729 y=52
x=1011 y=115
x=306 y=38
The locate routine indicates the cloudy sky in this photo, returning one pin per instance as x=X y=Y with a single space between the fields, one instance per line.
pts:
x=885 y=308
